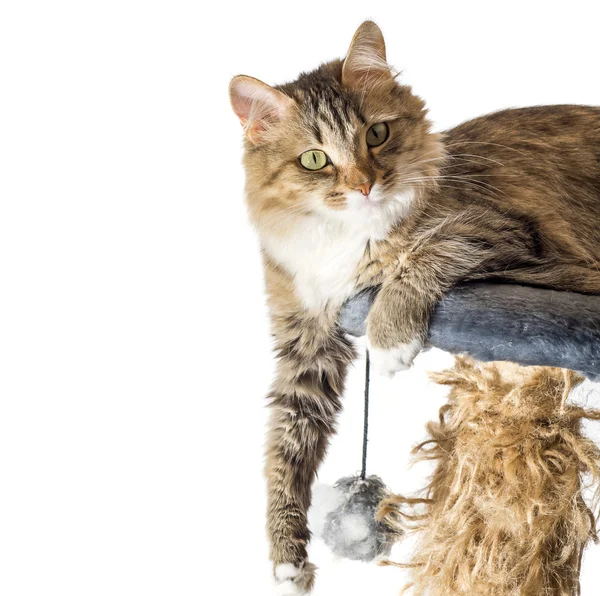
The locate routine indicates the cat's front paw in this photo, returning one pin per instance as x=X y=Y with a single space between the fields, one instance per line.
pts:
x=292 y=580
x=389 y=361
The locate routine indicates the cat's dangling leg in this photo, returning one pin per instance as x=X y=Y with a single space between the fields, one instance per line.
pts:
x=305 y=401
x=397 y=326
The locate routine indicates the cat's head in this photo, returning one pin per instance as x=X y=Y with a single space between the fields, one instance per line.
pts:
x=344 y=142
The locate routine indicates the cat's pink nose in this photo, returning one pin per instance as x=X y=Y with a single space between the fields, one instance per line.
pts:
x=365 y=188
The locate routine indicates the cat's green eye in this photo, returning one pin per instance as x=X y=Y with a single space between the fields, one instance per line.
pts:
x=313 y=159
x=377 y=134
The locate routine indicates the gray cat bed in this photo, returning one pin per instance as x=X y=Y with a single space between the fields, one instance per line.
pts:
x=521 y=324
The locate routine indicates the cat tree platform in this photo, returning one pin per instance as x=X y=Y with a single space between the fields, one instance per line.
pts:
x=521 y=324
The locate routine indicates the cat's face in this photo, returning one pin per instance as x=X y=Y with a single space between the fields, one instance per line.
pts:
x=345 y=142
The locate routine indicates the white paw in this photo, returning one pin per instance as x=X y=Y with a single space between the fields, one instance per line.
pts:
x=388 y=362
x=285 y=574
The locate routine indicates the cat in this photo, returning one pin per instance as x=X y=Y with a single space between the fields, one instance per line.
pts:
x=348 y=187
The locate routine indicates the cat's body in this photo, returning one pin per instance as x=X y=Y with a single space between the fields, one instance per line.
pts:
x=513 y=195
x=522 y=167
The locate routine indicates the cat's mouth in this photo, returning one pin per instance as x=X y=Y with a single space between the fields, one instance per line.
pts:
x=380 y=203
x=374 y=200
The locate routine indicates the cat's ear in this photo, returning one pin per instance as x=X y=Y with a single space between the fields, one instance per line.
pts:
x=365 y=63
x=257 y=105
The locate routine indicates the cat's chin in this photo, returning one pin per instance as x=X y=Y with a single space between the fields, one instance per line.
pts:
x=379 y=209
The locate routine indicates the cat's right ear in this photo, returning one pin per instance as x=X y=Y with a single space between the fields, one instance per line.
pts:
x=365 y=63
x=257 y=105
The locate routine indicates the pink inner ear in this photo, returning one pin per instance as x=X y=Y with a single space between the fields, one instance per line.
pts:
x=241 y=106
x=257 y=105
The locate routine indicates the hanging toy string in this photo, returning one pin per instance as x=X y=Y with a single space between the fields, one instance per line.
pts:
x=363 y=472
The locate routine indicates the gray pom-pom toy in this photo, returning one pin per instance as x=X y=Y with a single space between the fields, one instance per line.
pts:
x=345 y=515
x=346 y=518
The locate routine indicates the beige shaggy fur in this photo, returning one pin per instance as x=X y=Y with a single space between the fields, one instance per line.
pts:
x=504 y=513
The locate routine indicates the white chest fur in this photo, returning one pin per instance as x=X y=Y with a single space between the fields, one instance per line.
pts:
x=323 y=256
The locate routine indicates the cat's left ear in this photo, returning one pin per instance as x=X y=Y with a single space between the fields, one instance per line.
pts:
x=258 y=106
x=365 y=63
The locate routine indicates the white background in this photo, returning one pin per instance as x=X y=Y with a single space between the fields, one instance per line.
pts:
x=133 y=335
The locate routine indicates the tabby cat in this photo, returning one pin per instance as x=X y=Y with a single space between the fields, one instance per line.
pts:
x=348 y=187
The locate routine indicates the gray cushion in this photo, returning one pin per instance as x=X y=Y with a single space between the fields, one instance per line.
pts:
x=491 y=321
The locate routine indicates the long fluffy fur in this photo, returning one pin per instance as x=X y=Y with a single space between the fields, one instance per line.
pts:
x=504 y=513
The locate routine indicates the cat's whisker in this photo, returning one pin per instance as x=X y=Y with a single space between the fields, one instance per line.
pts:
x=464 y=180
x=284 y=218
x=461 y=155
x=289 y=209
x=450 y=158
x=285 y=215
x=461 y=177
x=474 y=175
x=422 y=185
x=486 y=143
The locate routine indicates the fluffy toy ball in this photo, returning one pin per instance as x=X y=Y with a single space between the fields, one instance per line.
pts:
x=344 y=516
